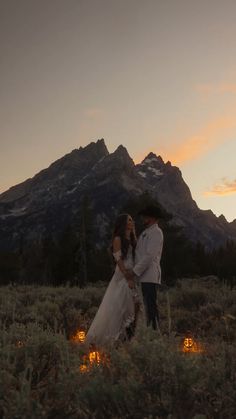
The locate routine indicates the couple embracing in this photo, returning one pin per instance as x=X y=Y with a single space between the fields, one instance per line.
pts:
x=135 y=280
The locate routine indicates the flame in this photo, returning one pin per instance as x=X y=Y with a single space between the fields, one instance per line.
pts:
x=19 y=344
x=94 y=357
x=79 y=336
x=83 y=368
x=190 y=345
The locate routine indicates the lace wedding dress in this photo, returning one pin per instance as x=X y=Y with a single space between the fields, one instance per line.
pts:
x=117 y=309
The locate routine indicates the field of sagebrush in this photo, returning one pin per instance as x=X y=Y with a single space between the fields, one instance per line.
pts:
x=149 y=377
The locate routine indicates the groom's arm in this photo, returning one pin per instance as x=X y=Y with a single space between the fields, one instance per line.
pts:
x=154 y=246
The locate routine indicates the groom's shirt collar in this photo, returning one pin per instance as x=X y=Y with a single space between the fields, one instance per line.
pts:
x=150 y=227
x=147 y=229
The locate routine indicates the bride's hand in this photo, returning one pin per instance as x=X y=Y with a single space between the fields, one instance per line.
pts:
x=131 y=284
x=129 y=274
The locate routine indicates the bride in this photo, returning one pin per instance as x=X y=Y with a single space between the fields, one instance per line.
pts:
x=117 y=312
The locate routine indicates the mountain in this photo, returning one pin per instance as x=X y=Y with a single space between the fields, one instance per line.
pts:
x=44 y=205
x=169 y=188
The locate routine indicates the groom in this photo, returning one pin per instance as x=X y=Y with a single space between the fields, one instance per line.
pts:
x=147 y=262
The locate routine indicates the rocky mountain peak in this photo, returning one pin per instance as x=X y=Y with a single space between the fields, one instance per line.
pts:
x=222 y=219
x=121 y=158
x=60 y=174
x=153 y=160
x=151 y=168
x=99 y=148
x=46 y=203
x=122 y=152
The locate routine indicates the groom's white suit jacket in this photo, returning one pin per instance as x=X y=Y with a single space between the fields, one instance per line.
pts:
x=148 y=255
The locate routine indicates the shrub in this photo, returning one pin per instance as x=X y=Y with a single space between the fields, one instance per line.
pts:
x=148 y=377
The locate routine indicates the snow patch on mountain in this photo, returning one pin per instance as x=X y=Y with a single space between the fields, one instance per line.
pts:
x=157 y=172
x=142 y=173
x=148 y=160
x=99 y=161
x=78 y=183
x=16 y=212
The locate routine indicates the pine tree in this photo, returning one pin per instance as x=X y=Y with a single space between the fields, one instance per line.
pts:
x=85 y=248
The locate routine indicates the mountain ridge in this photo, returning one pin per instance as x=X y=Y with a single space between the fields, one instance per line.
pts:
x=109 y=179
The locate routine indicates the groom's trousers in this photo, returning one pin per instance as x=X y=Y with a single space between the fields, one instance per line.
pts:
x=149 y=291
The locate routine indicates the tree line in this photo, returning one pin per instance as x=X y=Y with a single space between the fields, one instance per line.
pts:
x=75 y=258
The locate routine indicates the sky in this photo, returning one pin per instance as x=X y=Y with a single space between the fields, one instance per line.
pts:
x=153 y=75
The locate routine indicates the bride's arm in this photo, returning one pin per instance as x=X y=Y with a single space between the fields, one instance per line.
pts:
x=133 y=233
x=117 y=255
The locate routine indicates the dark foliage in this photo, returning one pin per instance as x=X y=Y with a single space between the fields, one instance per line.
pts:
x=75 y=258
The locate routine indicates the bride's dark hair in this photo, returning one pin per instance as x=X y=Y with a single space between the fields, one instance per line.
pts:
x=119 y=230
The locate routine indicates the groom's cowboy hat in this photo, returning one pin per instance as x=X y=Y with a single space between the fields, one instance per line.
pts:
x=152 y=211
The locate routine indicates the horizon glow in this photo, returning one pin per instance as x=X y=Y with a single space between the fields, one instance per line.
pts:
x=154 y=76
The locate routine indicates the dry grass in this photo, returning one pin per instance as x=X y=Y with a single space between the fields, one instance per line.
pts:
x=149 y=377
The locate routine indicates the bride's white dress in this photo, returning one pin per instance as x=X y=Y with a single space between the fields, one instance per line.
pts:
x=117 y=309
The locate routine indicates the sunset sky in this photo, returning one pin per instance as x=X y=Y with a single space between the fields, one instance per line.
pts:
x=153 y=75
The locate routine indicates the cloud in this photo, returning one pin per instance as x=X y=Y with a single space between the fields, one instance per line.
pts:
x=185 y=146
x=211 y=135
x=214 y=133
x=224 y=187
x=207 y=89
x=218 y=131
x=94 y=113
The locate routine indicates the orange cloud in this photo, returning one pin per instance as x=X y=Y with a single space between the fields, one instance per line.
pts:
x=221 y=88
x=227 y=88
x=190 y=148
x=214 y=133
x=217 y=131
x=142 y=154
x=225 y=187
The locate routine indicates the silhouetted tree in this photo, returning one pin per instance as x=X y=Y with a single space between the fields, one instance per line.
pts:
x=63 y=264
x=85 y=248
x=9 y=267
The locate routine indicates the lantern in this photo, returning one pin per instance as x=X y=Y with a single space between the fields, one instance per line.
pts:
x=19 y=343
x=83 y=368
x=94 y=357
x=79 y=336
x=188 y=343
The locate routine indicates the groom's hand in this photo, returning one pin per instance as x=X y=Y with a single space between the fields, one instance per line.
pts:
x=130 y=278
x=130 y=274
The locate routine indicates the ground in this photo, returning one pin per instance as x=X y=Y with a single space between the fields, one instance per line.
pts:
x=47 y=374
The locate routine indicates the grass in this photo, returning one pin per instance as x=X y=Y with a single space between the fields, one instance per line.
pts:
x=149 y=377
